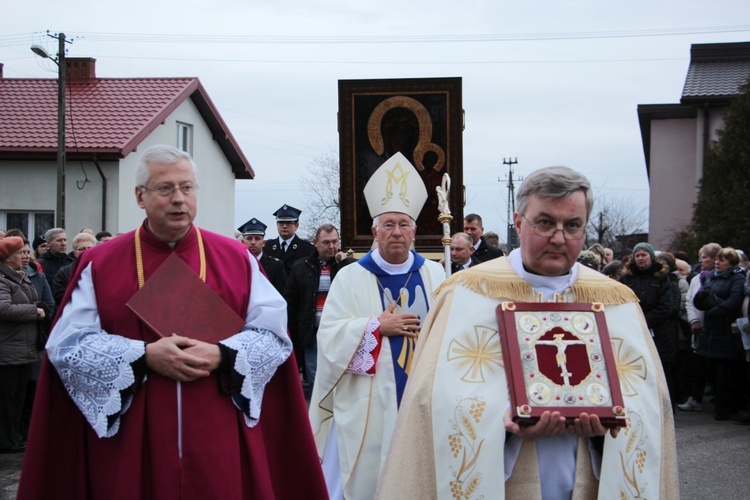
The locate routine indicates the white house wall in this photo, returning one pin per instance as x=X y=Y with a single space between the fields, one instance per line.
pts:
x=83 y=198
x=215 y=176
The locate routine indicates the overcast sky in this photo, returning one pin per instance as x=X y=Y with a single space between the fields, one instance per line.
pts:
x=546 y=82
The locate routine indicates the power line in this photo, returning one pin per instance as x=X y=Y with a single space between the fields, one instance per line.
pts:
x=192 y=38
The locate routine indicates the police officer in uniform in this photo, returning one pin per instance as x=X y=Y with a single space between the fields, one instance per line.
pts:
x=253 y=236
x=288 y=247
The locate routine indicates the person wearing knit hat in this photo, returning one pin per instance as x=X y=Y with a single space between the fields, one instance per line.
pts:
x=18 y=324
x=649 y=279
x=647 y=247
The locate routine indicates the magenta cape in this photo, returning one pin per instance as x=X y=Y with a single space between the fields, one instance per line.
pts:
x=222 y=457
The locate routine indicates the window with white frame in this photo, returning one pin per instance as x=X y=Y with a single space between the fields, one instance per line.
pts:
x=185 y=137
x=32 y=224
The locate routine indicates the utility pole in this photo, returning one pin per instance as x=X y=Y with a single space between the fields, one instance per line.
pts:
x=61 y=85
x=512 y=236
x=61 y=80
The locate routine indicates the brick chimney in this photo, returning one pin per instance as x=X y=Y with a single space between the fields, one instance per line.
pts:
x=81 y=69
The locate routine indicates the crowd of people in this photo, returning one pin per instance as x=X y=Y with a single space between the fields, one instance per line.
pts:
x=401 y=368
x=696 y=314
x=33 y=278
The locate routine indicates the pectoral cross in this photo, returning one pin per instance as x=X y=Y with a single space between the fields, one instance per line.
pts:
x=561 y=357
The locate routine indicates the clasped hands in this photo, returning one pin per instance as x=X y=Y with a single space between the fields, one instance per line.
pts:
x=553 y=424
x=182 y=358
x=392 y=324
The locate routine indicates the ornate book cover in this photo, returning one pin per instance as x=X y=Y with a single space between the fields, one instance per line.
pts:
x=558 y=357
x=196 y=311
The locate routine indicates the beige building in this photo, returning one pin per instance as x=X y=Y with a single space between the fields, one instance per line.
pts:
x=675 y=136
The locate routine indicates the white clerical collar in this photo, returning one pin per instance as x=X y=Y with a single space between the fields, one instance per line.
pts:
x=548 y=286
x=392 y=268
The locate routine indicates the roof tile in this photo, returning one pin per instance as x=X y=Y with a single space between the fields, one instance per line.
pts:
x=103 y=114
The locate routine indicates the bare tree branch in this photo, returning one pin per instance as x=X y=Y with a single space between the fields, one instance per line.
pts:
x=320 y=183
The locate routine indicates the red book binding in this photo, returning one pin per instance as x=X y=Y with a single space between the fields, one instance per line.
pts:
x=558 y=357
x=175 y=300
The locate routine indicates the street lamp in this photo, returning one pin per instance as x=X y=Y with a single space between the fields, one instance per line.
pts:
x=61 y=75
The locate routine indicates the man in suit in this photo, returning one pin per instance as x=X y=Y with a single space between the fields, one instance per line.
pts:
x=254 y=238
x=462 y=253
x=483 y=251
x=288 y=247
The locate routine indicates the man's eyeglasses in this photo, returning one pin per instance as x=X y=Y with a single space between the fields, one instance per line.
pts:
x=547 y=229
x=168 y=190
x=390 y=226
x=285 y=223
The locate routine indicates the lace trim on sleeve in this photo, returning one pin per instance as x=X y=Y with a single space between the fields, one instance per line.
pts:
x=94 y=367
x=259 y=354
x=364 y=360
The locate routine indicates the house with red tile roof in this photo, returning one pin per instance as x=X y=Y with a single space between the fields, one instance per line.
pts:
x=108 y=122
x=675 y=136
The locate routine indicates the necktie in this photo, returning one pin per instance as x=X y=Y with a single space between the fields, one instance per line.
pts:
x=283 y=246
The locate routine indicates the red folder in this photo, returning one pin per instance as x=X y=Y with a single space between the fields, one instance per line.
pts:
x=175 y=300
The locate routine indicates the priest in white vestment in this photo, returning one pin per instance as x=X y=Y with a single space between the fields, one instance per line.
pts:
x=367 y=336
x=454 y=437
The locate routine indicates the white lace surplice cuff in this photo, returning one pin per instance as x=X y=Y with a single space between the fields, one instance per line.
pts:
x=259 y=354
x=94 y=367
x=363 y=359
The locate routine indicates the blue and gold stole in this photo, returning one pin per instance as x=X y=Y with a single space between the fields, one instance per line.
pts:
x=409 y=292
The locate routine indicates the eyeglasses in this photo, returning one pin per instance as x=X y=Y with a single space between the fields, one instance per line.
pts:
x=390 y=226
x=168 y=190
x=547 y=229
x=285 y=223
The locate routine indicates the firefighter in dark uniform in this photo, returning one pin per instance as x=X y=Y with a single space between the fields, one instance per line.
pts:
x=254 y=237
x=288 y=247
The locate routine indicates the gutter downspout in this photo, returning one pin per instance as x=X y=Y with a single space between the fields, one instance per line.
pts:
x=104 y=194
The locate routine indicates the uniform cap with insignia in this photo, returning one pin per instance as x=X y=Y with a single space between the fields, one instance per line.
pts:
x=287 y=213
x=396 y=187
x=253 y=226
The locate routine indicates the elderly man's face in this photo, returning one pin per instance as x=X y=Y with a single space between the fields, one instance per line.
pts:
x=394 y=234
x=474 y=230
x=461 y=251
x=169 y=217
x=254 y=243
x=327 y=244
x=58 y=243
x=551 y=255
x=286 y=229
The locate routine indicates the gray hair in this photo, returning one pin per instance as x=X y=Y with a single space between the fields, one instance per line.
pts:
x=83 y=237
x=463 y=236
x=164 y=154
x=554 y=182
x=51 y=233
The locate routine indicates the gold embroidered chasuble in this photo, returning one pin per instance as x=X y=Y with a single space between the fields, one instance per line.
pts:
x=449 y=438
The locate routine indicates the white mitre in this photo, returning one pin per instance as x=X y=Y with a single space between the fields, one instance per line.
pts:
x=396 y=187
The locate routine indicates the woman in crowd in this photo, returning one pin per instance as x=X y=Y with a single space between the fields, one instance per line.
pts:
x=19 y=316
x=649 y=279
x=706 y=259
x=720 y=299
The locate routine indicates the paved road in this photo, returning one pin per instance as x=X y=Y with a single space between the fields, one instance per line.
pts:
x=714 y=459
